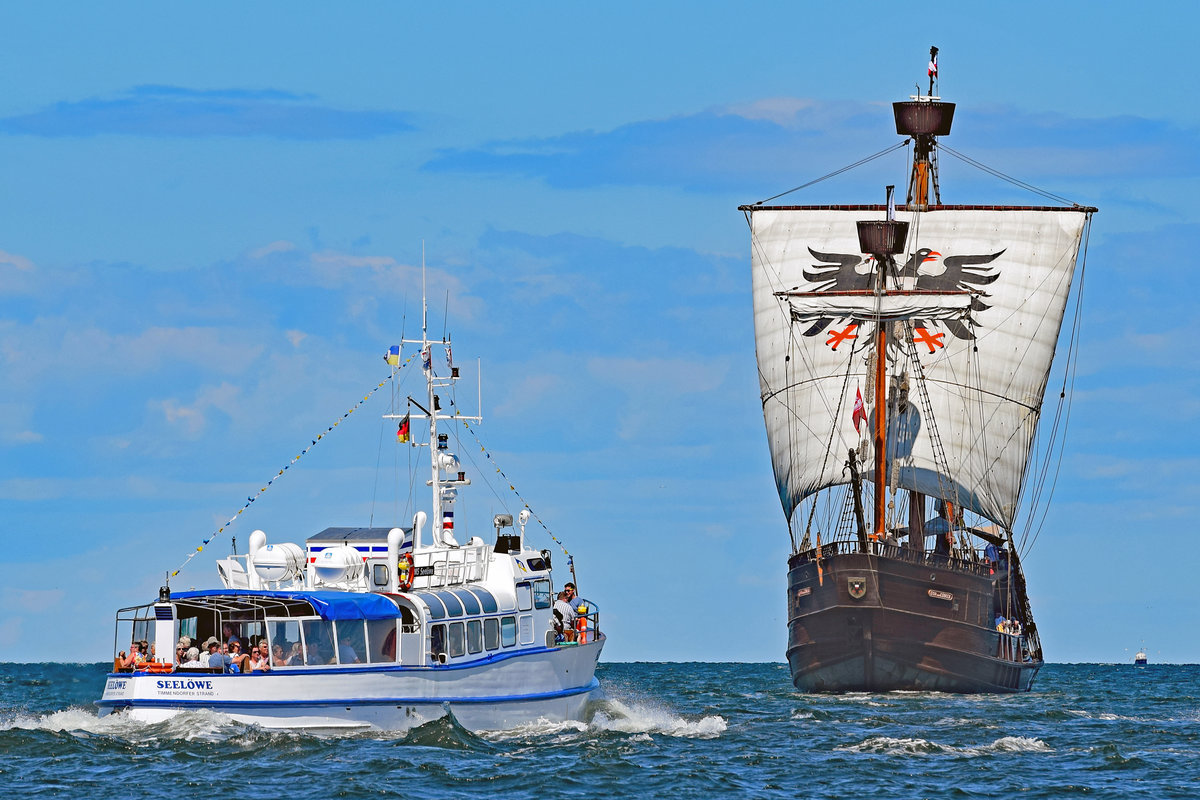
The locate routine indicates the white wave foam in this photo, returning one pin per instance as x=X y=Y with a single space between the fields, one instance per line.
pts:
x=887 y=745
x=636 y=718
x=188 y=725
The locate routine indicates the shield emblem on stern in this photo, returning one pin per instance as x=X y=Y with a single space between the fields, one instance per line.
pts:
x=857 y=587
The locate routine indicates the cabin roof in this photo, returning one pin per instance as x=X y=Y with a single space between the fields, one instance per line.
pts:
x=353 y=535
x=329 y=605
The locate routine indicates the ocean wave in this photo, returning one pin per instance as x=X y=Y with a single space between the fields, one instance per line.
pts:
x=614 y=715
x=887 y=745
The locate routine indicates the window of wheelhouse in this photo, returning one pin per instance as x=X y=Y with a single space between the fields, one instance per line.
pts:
x=456 y=639
x=437 y=641
x=381 y=640
x=524 y=597
x=541 y=594
x=474 y=636
x=491 y=633
x=351 y=641
x=508 y=631
x=318 y=641
x=286 y=648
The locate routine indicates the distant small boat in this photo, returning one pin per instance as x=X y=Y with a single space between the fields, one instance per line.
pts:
x=1139 y=658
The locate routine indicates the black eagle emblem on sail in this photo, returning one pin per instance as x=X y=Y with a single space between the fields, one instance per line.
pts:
x=925 y=270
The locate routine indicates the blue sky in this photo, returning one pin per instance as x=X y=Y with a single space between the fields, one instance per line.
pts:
x=211 y=229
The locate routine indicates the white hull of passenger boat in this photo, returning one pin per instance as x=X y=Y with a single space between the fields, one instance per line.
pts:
x=552 y=685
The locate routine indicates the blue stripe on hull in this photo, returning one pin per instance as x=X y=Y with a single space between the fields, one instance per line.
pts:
x=353 y=701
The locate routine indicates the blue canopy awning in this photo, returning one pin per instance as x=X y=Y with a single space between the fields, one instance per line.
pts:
x=330 y=605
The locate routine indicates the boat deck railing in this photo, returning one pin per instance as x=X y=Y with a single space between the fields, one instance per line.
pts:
x=968 y=561
x=439 y=568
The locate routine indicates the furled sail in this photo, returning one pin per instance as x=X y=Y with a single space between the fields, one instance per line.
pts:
x=973 y=312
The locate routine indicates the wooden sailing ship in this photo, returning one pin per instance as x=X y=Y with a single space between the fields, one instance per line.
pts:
x=903 y=355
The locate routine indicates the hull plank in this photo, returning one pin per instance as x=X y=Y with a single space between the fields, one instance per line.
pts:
x=876 y=623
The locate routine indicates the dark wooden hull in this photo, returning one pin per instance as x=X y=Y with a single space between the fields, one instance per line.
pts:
x=899 y=620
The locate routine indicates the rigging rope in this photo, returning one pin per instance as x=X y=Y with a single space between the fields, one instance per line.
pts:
x=836 y=172
x=511 y=486
x=279 y=474
x=1002 y=176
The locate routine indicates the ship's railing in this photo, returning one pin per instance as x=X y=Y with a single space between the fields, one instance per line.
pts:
x=1013 y=647
x=438 y=568
x=968 y=561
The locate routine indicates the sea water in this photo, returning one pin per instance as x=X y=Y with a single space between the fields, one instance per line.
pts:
x=662 y=730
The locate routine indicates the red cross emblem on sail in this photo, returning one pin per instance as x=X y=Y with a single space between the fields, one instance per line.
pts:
x=931 y=340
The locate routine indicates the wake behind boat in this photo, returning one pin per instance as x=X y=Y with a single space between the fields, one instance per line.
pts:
x=903 y=356
x=371 y=627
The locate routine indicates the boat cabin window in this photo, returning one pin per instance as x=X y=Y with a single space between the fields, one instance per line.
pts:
x=491 y=633
x=318 y=641
x=524 y=597
x=508 y=631
x=541 y=594
x=351 y=641
x=457 y=644
x=381 y=636
x=474 y=636
x=379 y=575
x=437 y=641
x=188 y=628
x=285 y=637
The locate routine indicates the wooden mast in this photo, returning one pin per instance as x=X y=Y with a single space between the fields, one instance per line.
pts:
x=923 y=119
x=882 y=240
x=880 y=421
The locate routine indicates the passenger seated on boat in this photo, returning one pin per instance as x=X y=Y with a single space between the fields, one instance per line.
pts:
x=228 y=634
x=278 y=659
x=135 y=658
x=564 y=615
x=346 y=651
x=314 y=654
x=239 y=661
x=191 y=658
x=260 y=659
x=296 y=657
x=216 y=658
x=126 y=661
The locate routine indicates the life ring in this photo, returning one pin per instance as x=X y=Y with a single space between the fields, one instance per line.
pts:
x=581 y=630
x=405 y=572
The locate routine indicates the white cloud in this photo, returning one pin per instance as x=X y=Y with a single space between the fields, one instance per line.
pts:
x=280 y=246
x=11 y=259
x=194 y=416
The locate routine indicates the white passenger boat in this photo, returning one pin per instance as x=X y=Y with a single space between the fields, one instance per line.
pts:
x=375 y=627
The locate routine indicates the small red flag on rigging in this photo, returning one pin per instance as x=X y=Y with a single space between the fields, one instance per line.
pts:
x=860 y=411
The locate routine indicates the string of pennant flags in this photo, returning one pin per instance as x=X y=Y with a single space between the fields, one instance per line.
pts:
x=393 y=359
x=286 y=467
